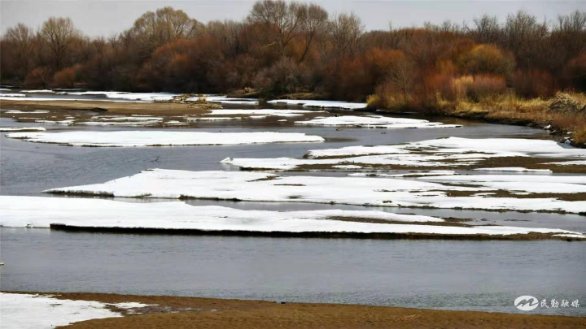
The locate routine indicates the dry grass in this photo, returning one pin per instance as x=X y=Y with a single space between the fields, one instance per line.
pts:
x=506 y=108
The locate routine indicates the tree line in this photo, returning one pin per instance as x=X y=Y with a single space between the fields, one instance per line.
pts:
x=290 y=47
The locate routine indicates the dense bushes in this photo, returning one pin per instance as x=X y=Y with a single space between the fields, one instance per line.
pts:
x=289 y=47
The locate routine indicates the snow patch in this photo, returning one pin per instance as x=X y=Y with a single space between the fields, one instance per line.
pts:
x=27 y=311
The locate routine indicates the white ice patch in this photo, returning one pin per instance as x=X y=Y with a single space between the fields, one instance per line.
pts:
x=515 y=169
x=263 y=112
x=67 y=122
x=569 y=163
x=38 y=91
x=130 y=121
x=26 y=112
x=484 y=148
x=258 y=186
x=4 y=129
x=226 y=100
x=139 y=138
x=373 y=121
x=126 y=96
x=23 y=211
x=318 y=104
x=195 y=119
x=27 y=311
x=517 y=146
x=518 y=183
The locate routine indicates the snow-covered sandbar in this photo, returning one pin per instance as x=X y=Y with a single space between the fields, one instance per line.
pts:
x=138 y=138
x=22 y=211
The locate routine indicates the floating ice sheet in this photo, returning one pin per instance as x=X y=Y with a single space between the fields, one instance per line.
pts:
x=136 y=138
x=318 y=104
x=373 y=121
x=367 y=191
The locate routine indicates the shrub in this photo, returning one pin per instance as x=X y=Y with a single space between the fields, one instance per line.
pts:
x=486 y=59
x=39 y=77
x=533 y=83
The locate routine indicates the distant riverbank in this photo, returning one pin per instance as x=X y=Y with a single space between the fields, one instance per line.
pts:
x=564 y=115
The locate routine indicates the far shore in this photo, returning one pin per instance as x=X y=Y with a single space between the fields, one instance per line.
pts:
x=194 y=312
x=111 y=107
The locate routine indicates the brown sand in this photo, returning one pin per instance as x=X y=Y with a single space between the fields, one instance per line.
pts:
x=126 y=108
x=189 y=312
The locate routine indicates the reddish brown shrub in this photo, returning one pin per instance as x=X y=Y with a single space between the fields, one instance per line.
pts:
x=533 y=83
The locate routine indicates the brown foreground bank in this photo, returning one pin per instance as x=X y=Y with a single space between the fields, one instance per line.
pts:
x=190 y=312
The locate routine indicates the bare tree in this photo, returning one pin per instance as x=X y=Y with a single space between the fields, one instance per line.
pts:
x=314 y=21
x=486 y=29
x=21 y=41
x=345 y=31
x=58 y=34
x=285 y=18
x=153 y=29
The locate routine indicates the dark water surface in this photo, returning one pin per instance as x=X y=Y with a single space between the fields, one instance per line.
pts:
x=478 y=275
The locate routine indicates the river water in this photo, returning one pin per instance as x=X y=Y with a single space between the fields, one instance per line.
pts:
x=473 y=275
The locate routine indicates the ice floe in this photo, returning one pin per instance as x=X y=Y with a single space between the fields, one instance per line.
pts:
x=367 y=191
x=26 y=112
x=318 y=104
x=34 y=311
x=196 y=119
x=515 y=169
x=263 y=112
x=38 y=91
x=373 y=121
x=23 y=211
x=518 y=183
x=123 y=121
x=161 y=138
x=66 y=122
x=12 y=129
x=569 y=163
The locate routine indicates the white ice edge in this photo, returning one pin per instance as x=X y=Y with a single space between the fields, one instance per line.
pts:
x=28 y=311
x=138 y=138
x=23 y=211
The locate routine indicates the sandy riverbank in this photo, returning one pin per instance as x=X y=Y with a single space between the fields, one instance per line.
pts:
x=111 y=107
x=190 y=312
